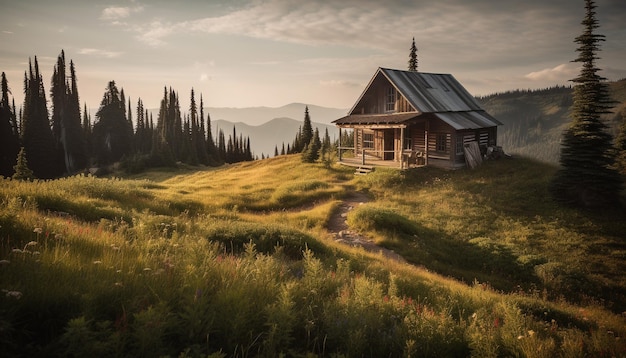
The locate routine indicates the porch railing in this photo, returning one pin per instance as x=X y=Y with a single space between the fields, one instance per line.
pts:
x=349 y=155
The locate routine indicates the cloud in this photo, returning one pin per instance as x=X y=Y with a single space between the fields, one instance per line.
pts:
x=339 y=83
x=7 y=32
x=119 y=12
x=561 y=72
x=99 y=53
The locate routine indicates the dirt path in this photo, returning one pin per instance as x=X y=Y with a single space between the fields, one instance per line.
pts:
x=337 y=225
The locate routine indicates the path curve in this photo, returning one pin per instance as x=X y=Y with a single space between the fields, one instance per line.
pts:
x=339 y=228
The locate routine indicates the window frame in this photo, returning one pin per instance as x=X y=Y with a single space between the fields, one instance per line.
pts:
x=441 y=142
x=390 y=99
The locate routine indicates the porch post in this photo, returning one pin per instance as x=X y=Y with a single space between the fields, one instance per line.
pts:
x=401 y=147
x=426 y=128
x=362 y=147
x=339 y=146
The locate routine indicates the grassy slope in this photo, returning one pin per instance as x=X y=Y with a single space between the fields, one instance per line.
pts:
x=133 y=263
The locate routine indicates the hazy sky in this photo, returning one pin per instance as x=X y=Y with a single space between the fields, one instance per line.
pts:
x=273 y=52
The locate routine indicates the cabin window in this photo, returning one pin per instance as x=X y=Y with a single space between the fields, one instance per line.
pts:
x=368 y=140
x=391 y=99
x=408 y=143
x=441 y=143
x=459 y=145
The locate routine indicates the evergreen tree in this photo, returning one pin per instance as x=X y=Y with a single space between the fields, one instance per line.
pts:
x=620 y=143
x=326 y=145
x=112 y=134
x=307 y=129
x=198 y=134
x=9 y=136
x=413 y=57
x=87 y=133
x=66 y=121
x=221 y=147
x=275 y=151
x=37 y=137
x=211 y=148
x=21 y=170
x=586 y=177
x=312 y=152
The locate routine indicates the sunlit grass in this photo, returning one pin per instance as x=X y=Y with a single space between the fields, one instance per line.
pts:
x=237 y=261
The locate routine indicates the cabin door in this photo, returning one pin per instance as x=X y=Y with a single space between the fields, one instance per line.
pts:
x=389 y=142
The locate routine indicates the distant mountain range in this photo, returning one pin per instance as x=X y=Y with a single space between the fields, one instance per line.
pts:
x=269 y=127
x=266 y=137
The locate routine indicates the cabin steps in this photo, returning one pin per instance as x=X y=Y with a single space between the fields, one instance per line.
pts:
x=364 y=170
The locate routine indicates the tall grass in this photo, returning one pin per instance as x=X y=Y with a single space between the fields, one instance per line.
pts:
x=189 y=266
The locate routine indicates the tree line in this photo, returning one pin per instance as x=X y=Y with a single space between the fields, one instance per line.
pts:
x=64 y=141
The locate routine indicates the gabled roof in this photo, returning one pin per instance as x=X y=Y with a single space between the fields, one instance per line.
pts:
x=432 y=92
x=436 y=93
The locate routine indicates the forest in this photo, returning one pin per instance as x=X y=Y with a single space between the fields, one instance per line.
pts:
x=65 y=141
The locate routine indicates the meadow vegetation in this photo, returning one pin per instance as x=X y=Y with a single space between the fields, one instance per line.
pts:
x=238 y=261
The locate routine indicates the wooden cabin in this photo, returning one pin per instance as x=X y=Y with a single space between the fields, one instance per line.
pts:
x=408 y=118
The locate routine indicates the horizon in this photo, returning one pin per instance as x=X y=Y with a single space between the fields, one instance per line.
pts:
x=272 y=53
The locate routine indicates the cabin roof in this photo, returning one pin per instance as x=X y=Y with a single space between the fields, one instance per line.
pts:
x=456 y=120
x=429 y=93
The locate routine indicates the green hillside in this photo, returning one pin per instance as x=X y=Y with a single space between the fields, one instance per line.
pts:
x=534 y=120
x=238 y=261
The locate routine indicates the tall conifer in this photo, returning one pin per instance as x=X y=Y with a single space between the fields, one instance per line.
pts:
x=37 y=137
x=586 y=177
x=66 y=121
x=307 y=129
x=413 y=57
x=112 y=134
x=9 y=136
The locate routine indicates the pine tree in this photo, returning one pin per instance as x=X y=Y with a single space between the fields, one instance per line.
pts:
x=312 y=152
x=413 y=57
x=326 y=145
x=307 y=129
x=198 y=134
x=37 y=137
x=620 y=143
x=9 y=136
x=66 y=121
x=22 y=172
x=586 y=178
x=112 y=134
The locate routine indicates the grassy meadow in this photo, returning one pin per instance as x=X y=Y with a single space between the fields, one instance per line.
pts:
x=237 y=261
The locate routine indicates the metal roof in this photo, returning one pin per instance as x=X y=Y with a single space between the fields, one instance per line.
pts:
x=395 y=118
x=432 y=92
x=468 y=120
x=432 y=95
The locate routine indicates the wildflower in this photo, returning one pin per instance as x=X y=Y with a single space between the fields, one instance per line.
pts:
x=31 y=243
x=17 y=251
x=119 y=284
x=4 y=262
x=97 y=262
x=38 y=230
x=531 y=332
x=147 y=269
x=14 y=294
